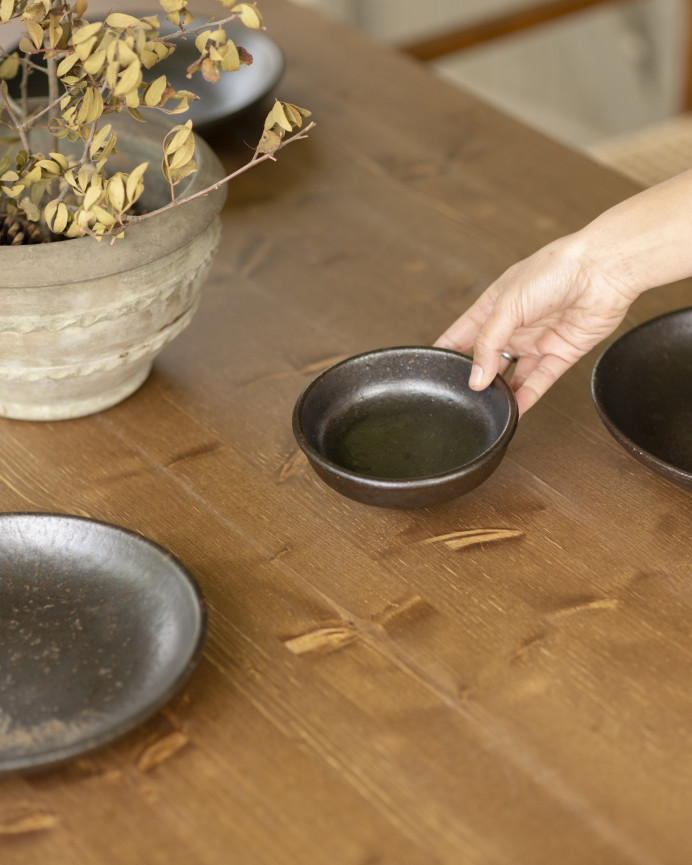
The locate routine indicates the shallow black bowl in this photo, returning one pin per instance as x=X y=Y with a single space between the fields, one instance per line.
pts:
x=400 y=427
x=642 y=390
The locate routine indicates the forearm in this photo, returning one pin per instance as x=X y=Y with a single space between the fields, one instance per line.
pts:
x=645 y=241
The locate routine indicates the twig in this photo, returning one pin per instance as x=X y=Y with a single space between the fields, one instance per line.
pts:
x=30 y=121
x=256 y=160
x=53 y=94
x=193 y=31
x=10 y=106
x=25 y=85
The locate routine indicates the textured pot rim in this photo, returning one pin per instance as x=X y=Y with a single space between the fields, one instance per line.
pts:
x=40 y=265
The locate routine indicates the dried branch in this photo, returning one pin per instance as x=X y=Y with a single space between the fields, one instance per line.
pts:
x=256 y=160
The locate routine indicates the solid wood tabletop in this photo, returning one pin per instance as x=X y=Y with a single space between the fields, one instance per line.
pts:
x=375 y=688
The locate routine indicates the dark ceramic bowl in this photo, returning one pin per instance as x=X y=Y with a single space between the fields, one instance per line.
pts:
x=400 y=427
x=642 y=390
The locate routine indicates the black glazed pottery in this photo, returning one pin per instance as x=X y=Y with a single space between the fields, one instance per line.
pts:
x=400 y=427
x=99 y=627
x=642 y=390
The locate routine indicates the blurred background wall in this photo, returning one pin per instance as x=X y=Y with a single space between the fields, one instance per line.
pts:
x=582 y=79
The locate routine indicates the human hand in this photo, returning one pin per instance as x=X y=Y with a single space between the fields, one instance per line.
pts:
x=547 y=311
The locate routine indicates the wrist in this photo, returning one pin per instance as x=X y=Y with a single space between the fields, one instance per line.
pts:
x=609 y=263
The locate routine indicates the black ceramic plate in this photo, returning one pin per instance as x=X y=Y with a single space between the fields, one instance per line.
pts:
x=233 y=94
x=642 y=390
x=98 y=628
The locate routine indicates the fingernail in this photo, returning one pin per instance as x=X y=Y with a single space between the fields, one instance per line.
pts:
x=476 y=377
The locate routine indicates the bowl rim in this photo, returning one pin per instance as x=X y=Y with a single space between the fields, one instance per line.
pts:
x=420 y=481
x=664 y=468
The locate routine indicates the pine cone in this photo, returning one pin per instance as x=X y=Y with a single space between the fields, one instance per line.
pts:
x=16 y=231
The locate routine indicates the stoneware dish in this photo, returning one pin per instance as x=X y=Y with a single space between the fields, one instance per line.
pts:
x=642 y=390
x=99 y=627
x=400 y=427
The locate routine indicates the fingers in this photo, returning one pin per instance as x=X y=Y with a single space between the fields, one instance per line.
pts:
x=462 y=335
x=492 y=339
x=533 y=377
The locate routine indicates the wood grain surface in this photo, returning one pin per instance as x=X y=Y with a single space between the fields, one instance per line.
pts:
x=501 y=680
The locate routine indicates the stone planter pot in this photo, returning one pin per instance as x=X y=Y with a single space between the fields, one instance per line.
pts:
x=81 y=321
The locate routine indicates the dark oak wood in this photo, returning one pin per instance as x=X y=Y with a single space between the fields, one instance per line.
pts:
x=369 y=693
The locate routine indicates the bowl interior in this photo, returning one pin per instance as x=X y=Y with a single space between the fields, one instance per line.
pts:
x=642 y=390
x=401 y=413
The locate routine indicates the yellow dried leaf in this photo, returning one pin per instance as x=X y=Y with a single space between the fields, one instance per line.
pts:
x=116 y=191
x=83 y=177
x=134 y=182
x=73 y=231
x=30 y=209
x=60 y=158
x=26 y=45
x=95 y=63
x=100 y=139
x=107 y=219
x=181 y=173
x=87 y=31
x=66 y=64
x=54 y=32
x=176 y=137
x=129 y=80
x=6 y=10
x=93 y=194
x=9 y=66
x=132 y=100
x=91 y=108
x=13 y=191
x=293 y=115
x=83 y=50
x=121 y=20
x=33 y=175
x=249 y=15
x=49 y=166
x=180 y=19
x=161 y=49
x=210 y=71
x=201 y=40
x=279 y=116
x=231 y=58
x=155 y=91
x=56 y=216
x=81 y=7
x=183 y=154
x=148 y=58
x=112 y=73
x=269 y=142
x=35 y=32
x=296 y=108
x=125 y=53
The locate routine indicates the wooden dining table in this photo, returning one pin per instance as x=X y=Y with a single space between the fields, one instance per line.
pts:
x=504 y=679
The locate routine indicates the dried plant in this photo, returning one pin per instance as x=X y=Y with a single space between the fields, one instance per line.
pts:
x=96 y=69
